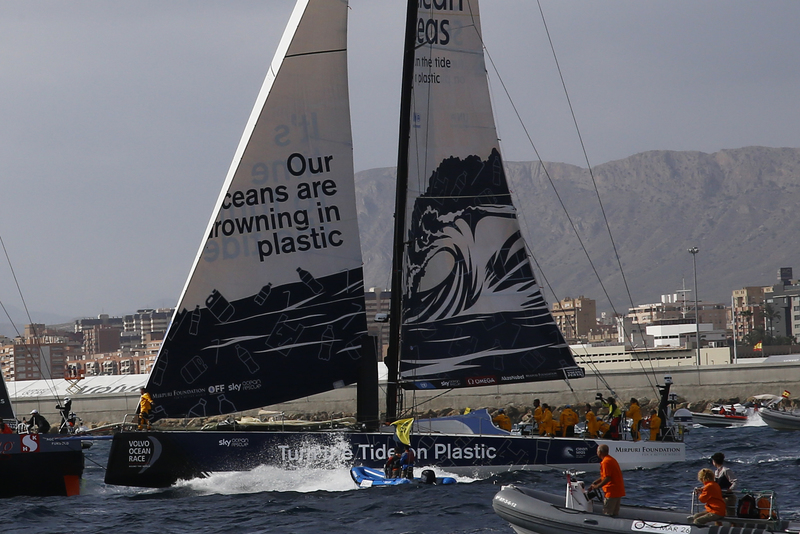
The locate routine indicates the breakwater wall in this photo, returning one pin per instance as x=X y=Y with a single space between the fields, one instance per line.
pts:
x=691 y=383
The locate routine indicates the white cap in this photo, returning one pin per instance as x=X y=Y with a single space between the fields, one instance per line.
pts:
x=66 y=399
x=34 y=411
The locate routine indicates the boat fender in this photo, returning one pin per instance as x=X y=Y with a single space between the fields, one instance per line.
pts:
x=747 y=507
x=427 y=477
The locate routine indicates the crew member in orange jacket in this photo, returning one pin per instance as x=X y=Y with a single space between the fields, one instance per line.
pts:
x=502 y=420
x=635 y=413
x=592 y=425
x=610 y=480
x=568 y=420
x=655 y=425
x=547 y=423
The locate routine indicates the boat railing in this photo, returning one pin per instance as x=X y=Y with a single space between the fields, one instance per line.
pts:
x=765 y=509
x=133 y=422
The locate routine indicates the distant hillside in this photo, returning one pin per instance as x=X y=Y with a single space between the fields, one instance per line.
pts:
x=739 y=207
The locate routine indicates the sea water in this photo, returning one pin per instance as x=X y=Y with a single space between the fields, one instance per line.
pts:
x=310 y=501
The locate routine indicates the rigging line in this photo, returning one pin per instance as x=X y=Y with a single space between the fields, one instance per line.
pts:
x=521 y=215
x=558 y=195
x=414 y=404
x=594 y=184
x=50 y=383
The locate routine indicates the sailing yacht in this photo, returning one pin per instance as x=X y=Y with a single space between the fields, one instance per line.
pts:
x=273 y=308
x=36 y=464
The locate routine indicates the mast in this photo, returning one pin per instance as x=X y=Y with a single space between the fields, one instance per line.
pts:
x=396 y=304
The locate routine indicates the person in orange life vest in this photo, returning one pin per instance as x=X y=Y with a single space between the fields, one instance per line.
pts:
x=537 y=416
x=592 y=425
x=710 y=495
x=635 y=413
x=568 y=420
x=655 y=425
x=546 y=426
x=610 y=480
x=501 y=420
x=5 y=429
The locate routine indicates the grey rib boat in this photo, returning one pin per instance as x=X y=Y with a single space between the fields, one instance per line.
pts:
x=780 y=420
x=535 y=512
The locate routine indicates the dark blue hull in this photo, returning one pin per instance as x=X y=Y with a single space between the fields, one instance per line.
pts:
x=159 y=459
x=39 y=465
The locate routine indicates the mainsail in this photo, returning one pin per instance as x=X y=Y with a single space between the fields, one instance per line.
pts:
x=472 y=311
x=6 y=409
x=273 y=308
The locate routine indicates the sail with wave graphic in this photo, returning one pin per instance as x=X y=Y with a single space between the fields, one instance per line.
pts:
x=473 y=313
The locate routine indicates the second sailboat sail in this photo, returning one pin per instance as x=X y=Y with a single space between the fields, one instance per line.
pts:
x=274 y=307
x=473 y=313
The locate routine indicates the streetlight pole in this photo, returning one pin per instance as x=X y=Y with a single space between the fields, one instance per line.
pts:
x=733 y=320
x=693 y=251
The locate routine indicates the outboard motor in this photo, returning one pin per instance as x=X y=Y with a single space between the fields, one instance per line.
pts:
x=427 y=477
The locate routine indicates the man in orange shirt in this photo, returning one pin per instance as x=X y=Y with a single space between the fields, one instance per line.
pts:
x=610 y=480
x=711 y=496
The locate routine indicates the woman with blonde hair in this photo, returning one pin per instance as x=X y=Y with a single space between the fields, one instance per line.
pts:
x=711 y=496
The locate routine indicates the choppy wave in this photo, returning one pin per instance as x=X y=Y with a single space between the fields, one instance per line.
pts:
x=310 y=500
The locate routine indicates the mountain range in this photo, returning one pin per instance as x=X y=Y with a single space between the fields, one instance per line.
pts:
x=735 y=205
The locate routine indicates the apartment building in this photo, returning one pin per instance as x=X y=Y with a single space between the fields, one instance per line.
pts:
x=576 y=318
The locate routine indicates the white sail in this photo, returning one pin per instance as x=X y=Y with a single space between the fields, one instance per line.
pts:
x=273 y=306
x=473 y=313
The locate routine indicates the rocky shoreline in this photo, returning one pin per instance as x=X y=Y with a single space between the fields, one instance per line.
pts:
x=517 y=414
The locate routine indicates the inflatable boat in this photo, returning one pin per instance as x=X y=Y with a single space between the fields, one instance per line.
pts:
x=535 y=512
x=367 y=477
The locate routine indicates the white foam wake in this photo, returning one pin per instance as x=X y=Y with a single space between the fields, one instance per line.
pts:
x=270 y=478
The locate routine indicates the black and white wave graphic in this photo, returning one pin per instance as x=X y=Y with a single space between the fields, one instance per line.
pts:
x=472 y=308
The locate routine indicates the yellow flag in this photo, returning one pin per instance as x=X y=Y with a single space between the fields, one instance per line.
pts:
x=404 y=430
x=785 y=394
x=758 y=346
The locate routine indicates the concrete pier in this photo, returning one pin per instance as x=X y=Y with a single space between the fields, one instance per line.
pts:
x=108 y=399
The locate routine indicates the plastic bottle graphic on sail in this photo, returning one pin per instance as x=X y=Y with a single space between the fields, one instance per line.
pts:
x=473 y=313
x=278 y=279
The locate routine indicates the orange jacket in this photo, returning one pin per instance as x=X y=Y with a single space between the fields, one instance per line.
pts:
x=711 y=496
x=592 y=425
x=502 y=421
x=568 y=417
x=655 y=426
x=635 y=413
x=547 y=422
x=537 y=414
x=615 y=487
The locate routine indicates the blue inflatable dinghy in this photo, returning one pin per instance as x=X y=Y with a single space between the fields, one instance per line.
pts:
x=367 y=477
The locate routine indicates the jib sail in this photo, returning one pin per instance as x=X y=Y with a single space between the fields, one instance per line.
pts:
x=273 y=308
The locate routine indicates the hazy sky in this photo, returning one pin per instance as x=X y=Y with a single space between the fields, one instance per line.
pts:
x=118 y=120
